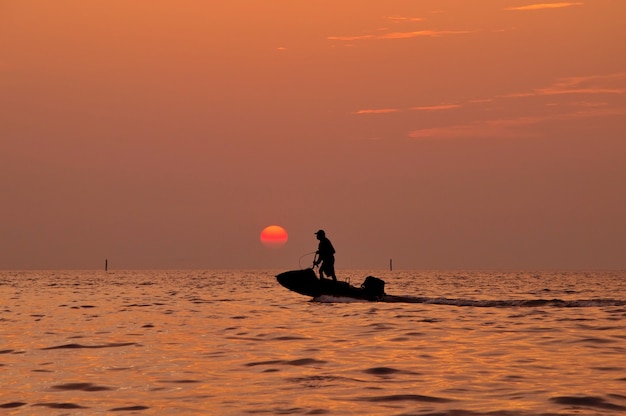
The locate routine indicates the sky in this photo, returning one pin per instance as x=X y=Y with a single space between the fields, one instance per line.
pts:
x=442 y=134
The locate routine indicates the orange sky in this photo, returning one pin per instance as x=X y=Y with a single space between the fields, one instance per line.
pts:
x=440 y=133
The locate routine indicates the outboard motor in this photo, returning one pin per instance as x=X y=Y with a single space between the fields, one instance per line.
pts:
x=373 y=286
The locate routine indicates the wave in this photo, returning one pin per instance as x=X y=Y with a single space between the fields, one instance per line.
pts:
x=513 y=303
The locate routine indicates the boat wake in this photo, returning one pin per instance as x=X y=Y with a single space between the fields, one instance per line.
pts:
x=338 y=299
x=305 y=282
x=523 y=303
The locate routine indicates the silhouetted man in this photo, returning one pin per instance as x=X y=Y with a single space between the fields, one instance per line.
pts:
x=325 y=255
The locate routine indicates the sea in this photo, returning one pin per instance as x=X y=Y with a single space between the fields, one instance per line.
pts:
x=229 y=342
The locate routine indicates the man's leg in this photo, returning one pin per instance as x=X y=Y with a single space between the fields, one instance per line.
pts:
x=330 y=271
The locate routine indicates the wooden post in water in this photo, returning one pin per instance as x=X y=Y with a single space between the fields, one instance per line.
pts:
x=106 y=265
x=390 y=264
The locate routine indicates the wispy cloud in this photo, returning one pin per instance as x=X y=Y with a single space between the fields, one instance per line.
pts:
x=542 y=6
x=401 y=19
x=353 y=37
x=607 y=84
x=436 y=107
x=378 y=111
x=402 y=35
x=594 y=84
x=508 y=127
x=501 y=128
x=570 y=98
x=387 y=33
x=440 y=107
x=422 y=33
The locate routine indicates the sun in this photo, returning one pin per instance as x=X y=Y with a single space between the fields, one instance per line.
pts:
x=274 y=236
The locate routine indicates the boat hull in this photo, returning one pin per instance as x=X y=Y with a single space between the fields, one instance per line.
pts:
x=305 y=282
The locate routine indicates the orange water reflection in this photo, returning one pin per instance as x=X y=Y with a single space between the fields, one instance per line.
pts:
x=156 y=342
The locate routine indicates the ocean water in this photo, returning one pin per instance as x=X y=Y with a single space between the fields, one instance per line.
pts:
x=237 y=343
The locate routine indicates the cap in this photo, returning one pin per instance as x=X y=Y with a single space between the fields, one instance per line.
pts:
x=320 y=232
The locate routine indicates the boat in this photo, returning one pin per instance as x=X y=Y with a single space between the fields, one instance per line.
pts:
x=306 y=282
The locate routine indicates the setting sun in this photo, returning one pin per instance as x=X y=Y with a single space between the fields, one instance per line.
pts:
x=274 y=236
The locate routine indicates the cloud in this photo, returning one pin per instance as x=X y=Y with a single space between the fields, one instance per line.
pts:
x=351 y=38
x=570 y=98
x=400 y=19
x=481 y=100
x=378 y=111
x=402 y=35
x=440 y=107
x=543 y=6
x=386 y=34
x=436 y=107
x=422 y=33
x=593 y=84
x=500 y=128
x=508 y=127
x=606 y=84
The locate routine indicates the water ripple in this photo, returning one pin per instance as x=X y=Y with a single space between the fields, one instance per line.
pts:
x=81 y=386
x=405 y=397
x=75 y=346
x=587 y=401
